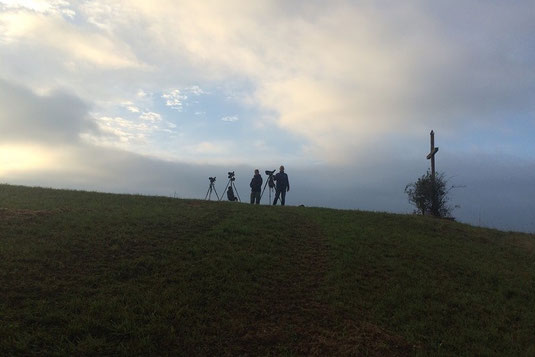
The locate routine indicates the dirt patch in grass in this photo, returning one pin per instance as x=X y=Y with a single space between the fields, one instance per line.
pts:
x=195 y=203
x=524 y=242
x=9 y=213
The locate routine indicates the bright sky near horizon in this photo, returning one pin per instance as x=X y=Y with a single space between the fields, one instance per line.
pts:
x=155 y=96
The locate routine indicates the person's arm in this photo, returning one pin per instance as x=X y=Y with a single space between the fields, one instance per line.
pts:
x=288 y=183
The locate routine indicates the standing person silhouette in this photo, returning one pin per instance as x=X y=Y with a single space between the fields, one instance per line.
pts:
x=283 y=185
x=256 y=187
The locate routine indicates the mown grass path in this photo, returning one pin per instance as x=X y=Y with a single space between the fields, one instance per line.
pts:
x=295 y=315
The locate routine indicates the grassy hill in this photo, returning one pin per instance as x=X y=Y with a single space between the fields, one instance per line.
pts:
x=89 y=273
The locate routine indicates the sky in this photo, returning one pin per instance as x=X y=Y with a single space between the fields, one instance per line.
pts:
x=153 y=97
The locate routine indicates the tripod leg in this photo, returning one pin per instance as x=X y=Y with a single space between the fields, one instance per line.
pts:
x=262 y=194
x=216 y=194
x=236 y=190
x=225 y=190
x=207 y=192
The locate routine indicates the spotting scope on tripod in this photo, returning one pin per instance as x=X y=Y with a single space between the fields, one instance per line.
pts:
x=230 y=188
x=269 y=182
x=210 y=189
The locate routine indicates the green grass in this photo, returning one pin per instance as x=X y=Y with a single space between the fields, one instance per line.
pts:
x=98 y=274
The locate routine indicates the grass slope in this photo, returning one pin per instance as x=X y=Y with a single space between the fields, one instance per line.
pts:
x=88 y=273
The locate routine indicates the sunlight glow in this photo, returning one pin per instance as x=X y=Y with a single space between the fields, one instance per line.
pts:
x=17 y=158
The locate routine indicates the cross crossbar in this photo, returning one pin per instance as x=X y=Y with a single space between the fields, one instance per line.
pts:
x=432 y=153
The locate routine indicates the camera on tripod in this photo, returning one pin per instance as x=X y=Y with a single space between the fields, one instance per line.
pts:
x=230 y=189
x=231 y=176
x=210 y=189
x=271 y=179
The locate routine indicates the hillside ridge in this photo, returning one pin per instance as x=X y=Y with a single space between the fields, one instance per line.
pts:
x=92 y=273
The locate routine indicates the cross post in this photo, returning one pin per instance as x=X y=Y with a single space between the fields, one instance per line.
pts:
x=432 y=153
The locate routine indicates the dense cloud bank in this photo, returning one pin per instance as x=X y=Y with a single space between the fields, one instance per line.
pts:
x=491 y=197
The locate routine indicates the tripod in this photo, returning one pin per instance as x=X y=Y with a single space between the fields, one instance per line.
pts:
x=271 y=184
x=210 y=188
x=233 y=186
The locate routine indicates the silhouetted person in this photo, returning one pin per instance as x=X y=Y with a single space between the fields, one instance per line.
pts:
x=256 y=187
x=230 y=194
x=282 y=186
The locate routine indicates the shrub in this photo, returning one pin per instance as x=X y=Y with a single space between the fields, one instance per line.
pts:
x=430 y=196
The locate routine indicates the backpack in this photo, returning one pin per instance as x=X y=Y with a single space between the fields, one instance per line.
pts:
x=230 y=195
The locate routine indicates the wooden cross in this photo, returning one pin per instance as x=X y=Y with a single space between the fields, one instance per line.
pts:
x=431 y=155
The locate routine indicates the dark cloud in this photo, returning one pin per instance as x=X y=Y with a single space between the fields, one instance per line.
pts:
x=499 y=191
x=54 y=118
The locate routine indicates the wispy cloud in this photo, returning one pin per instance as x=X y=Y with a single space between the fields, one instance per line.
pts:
x=230 y=119
x=174 y=99
x=196 y=90
x=126 y=131
x=131 y=107
x=41 y=6
x=151 y=117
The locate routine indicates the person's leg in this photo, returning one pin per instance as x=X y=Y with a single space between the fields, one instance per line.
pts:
x=277 y=193
x=257 y=197
x=252 y=197
x=283 y=197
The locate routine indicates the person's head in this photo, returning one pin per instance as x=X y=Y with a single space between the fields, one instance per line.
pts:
x=256 y=172
x=281 y=168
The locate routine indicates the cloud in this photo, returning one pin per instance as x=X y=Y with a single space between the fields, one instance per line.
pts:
x=340 y=77
x=56 y=117
x=133 y=109
x=75 y=44
x=174 y=99
x=206 y=147
x=23 y=158
x=196 y=90
x=151 y=117
x=230 y=119
x=341 y=74
x=124 y=130
x=40 y=6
